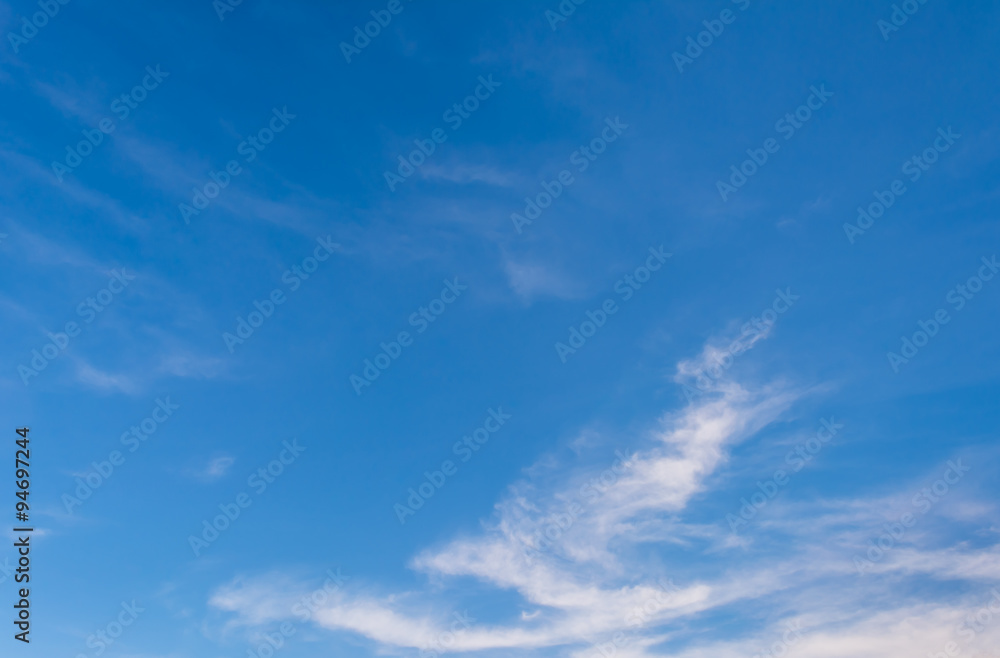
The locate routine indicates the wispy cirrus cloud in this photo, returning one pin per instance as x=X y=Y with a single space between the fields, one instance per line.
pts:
x=577 y=562
x=532 y=280
x=580 y=588
x=216 y=468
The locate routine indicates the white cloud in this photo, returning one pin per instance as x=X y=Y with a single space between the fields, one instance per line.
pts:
x=531 y=280
x=595 y=579
x=466 y=173
x=216 y=468
x=102 y=380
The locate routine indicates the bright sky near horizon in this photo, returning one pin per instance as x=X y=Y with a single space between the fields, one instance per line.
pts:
x=538 y=328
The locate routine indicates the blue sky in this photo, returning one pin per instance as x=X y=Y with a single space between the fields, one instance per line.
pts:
x=628 y=329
